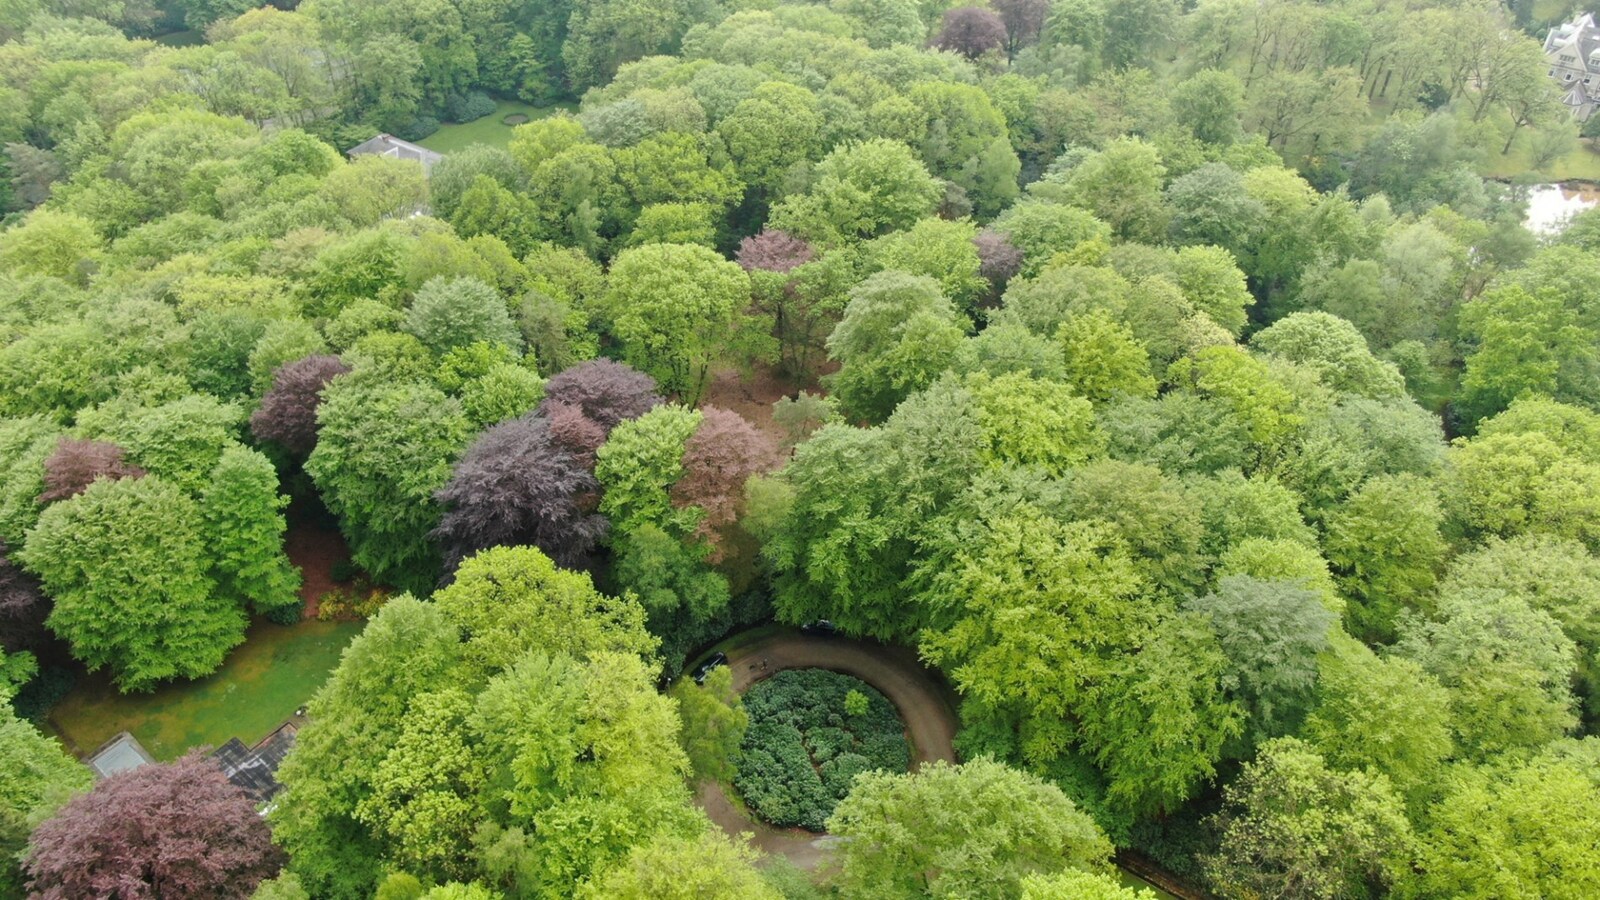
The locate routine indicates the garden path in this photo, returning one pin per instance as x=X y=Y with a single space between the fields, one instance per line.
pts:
x=895 y=671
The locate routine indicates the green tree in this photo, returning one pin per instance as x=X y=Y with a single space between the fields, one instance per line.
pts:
x=1266 y=407
x=458 y=172
x=1280 y=559
x=675 y=223
x=840 y=548
x=451 y=313
x=673 y=306
x=714 y=722
x=1507 y=666
x=1335 y=350
x=884 y=23
x=1121 y=185
x=638 y=465
x=778 y=126
x=1271 y=633
x=1555 y=575
x=898 y=334
x=683 y=597
x=180 y=440
x=514 y=601
x=911 y=835
x=372 y=188
x=1381 y=714
x=1505 y=484
x=1525 y=342
x=126 y=564
x=1385 y=544
x=36 y=777
x=602 y=35
x=382 y=451
x=284 y=887
x=1103 y=358
x=420 y=800
x=963 y=138
x=1079 y=885
x=1290 y=826
x=488 y=207
x=1041 y=229
x=1027 y=614
x=585 y=758
x=407 y=649
x=1029 y=422
x=1209 y=104
x=51 y=243
x=1160 y=721
x=1516 y=829
x=708 y=867
x=243 y=514
x=941 y=250
x=1210 y=279
x=860 y=191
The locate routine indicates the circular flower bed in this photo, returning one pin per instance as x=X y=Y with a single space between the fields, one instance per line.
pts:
x=811 y=732
x=515 y=119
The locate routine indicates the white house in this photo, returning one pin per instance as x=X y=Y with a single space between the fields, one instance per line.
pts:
x=394 y=148
x=1572 y=52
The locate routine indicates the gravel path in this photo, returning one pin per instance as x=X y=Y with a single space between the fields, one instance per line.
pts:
x=896 y=672
x=923 y=703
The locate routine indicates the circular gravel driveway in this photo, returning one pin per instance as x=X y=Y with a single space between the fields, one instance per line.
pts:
x=922 y=700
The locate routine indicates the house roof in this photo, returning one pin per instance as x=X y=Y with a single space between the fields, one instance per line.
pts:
x=1580 y=38
x=255 y=769
x=391 y=146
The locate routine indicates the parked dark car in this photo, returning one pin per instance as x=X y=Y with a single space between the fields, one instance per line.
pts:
x=821 y=628
x=716 y=659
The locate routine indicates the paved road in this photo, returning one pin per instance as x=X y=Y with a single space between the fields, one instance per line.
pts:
x=896 y=672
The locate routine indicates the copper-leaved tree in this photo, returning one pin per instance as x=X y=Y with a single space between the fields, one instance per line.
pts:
x=173 y=831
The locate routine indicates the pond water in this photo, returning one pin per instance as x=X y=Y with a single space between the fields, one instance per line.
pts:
x=1550 y=205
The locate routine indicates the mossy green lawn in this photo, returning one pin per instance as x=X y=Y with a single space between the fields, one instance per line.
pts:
x=490 y=129
x=262 y=683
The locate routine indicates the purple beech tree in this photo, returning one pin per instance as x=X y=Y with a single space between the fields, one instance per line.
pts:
x=607 y=392
x=971 y=31
x=288 y=413
x=23 y=608
x=1024 y=21
x=717 y=460
x=159 y=832
x=575 y=432
x=517 y=486
x=773 y=251
x=75 y=464
x=999 y=260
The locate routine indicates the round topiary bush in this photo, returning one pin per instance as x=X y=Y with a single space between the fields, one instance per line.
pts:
x=811 y=733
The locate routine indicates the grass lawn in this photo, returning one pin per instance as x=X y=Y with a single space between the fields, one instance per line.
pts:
x=1581 y=163
x=190 y=38
x=263 y=682
x=490 y=129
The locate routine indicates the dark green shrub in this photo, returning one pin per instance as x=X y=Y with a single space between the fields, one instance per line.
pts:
x=804 y=747
x=288 y=613
x=418 y=128
x=468 y=107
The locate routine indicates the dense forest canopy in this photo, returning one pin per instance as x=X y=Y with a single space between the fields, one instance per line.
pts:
x=1165 y=375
